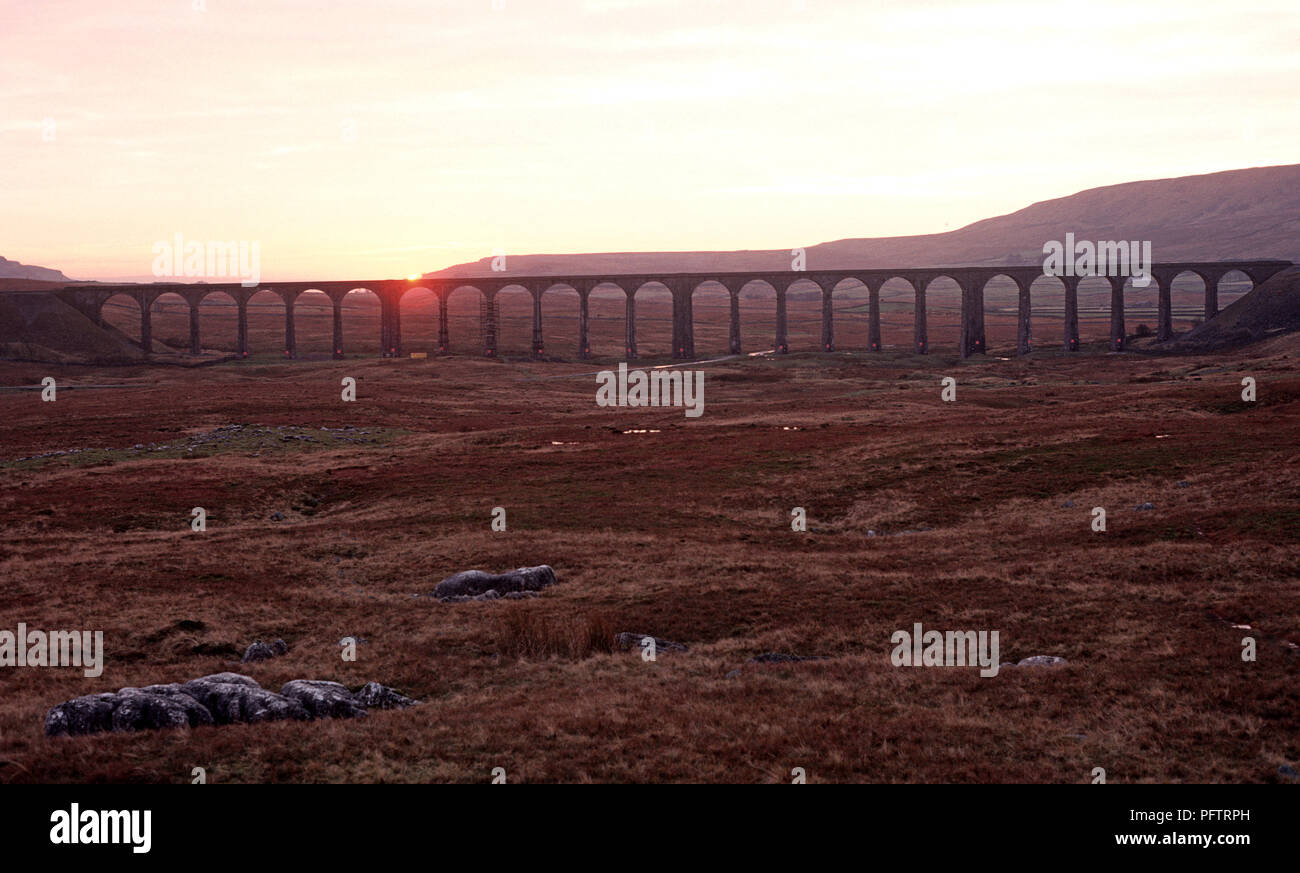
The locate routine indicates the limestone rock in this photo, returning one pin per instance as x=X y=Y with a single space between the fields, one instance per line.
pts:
x=222 y=698
x=88 y=714
x=236 y=699
x=376 y=696
x=260 y=651
x=157 y=706
x=131 y=709
x=323 y=699
x=1041 y=661
x=471 y=583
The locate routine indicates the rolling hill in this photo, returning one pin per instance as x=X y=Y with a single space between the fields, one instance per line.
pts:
x=1237 y=214
x=14 y=270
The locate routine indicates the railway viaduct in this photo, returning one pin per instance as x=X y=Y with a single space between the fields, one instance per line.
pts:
x=90 y=299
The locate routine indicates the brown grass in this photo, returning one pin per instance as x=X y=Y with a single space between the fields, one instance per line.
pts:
x=526 y=632
x=684 y=534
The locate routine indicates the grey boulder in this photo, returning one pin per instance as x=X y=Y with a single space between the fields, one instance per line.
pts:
x=260 y=651
x=88 y=714
x=1041 y=661
x=471 y=583
x=157 y=706
x=376 y=696
x=236 y=699
x=222 y=698
x=323 y=699
x=131 y=709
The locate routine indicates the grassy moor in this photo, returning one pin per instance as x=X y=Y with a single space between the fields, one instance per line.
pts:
x=328 y=520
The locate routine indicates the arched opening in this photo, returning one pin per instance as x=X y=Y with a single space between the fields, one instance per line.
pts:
x=170 y=317
x=803 y=315
x=654 y=320
x=1187 y=300
x=758 y=316
x=711 y=318
x=851 y=310
x=465 y=331
x=897 y=313
x=561 y=309
x=607 y=320
x=121 y=312
x=1141 y=308
x=362 y=314
x=1047 y=312
x=266 y=325
x=219 y=322
x=1001 y=312
x=514 y=305
x=943 y=313
x=313 y=325
x=1094 y=309
x=418 y=306
x=1233 y=285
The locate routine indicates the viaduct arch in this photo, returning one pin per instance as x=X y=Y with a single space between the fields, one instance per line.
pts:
x=90 y=299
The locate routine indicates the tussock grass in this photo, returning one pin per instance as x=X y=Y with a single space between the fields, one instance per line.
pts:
x=523 y=631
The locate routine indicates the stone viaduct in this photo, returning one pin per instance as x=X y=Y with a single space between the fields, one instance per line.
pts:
x=90 y=299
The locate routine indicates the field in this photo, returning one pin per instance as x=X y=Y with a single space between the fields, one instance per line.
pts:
x=973 y=514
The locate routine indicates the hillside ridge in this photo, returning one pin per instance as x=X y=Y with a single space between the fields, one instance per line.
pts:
x=1242 y=214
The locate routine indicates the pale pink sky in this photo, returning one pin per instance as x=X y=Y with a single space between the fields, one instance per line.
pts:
x=377 y=138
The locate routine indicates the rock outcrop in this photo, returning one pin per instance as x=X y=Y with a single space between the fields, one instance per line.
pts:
x=375 y=696
x=1041 y=661
x=222 y=698
x=157 y=706
x=323 y=699
x=260 y=651
x=478 y=585
x=236 y=699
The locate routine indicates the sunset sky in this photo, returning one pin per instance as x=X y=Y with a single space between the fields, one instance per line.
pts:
x=377 y=138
